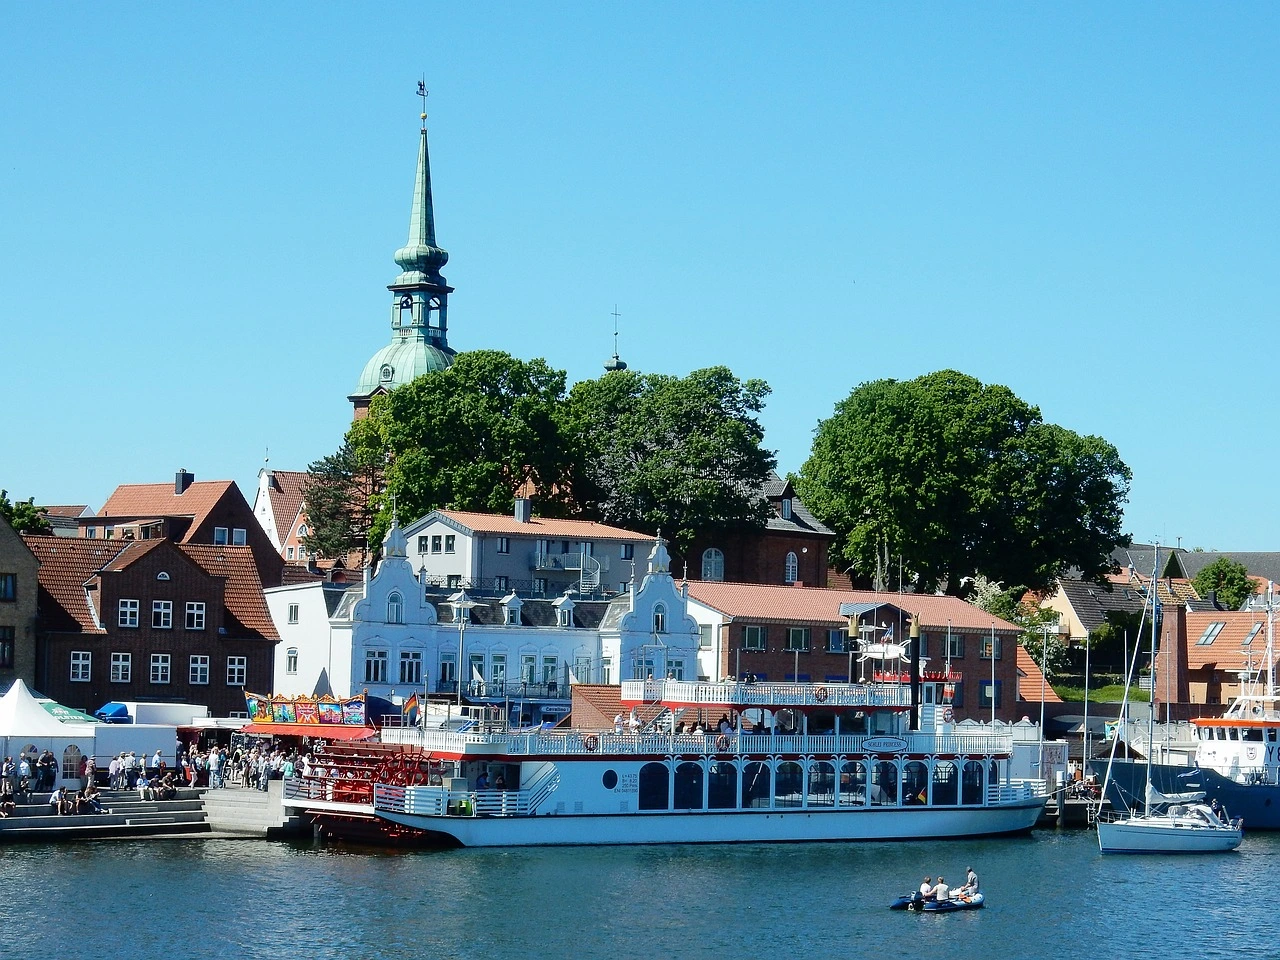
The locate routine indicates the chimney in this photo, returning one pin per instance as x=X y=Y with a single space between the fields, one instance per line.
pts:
x=182 y=480
x=524 y=509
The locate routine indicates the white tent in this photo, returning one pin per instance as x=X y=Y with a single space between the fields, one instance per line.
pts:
x=26 y=727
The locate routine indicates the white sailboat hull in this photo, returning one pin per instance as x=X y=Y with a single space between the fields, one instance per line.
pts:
x=1167 y=834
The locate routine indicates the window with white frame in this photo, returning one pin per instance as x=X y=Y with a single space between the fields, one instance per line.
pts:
x=423 y=544
x=562 y=617
x=713 y=564
x=453 y=581
x=239 y=536
x=437 y=543
x=449 y=542
x=410 y=667
x=659 y=618
x=448 y=671
x=835 y=640
x=528 y=668
x=237 y=670
x=704 y=636
x=220 y=535
x=288 y=553
x=628 y=551
x=511 y=615
x=675 y=669
x=161 y=614
x=128 y=613
x=498 y=671
x=797 y=639
x=754 y=637
x=606 y=670
x=791 y=568
x=504 y=544
x=198 y=673
x=81 y=666
x=195 y=615
x=291 y=660
x=375 y=666
x=786 y=508
x=293 y=613
x=988 y=643
x=550 y=669
x=160 y=668
x=539 y=585
x=395 y=608
x=122 y=667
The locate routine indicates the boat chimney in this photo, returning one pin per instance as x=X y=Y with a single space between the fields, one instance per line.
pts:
x=915 y=672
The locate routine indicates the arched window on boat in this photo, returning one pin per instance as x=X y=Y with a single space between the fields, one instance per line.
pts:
x=946 y=784
x=971 y=785
x=722 y=786
x=71 y=762
x=713 y=564
x=853 y=784
x=757 y=785
x=822 y=784
x=884 y=784
x=659 y=618
x=915 y=783
x=788 y=789
x=655 y=787
x=689 y=786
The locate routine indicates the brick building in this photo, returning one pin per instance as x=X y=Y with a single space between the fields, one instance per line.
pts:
x=212 y=512
x=150 y=620
x=18 y=590
x=1203 y=654
x=783 y=633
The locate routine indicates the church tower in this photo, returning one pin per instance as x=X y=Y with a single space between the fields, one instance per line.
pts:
x=419 y=298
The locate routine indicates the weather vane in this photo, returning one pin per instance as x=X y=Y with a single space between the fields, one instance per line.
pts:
x=422 y=92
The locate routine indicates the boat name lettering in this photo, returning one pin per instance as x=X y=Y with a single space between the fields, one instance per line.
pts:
x=884 y=744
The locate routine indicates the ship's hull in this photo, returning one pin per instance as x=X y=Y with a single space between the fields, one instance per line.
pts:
x=1258 y=804
x=1160 y=834
x=742 y=826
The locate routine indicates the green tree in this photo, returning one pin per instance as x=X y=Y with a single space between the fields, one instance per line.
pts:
x=339 y=497
x=680 y=454
x=468 y=438
x=24 y=516
x=958 y=478
x=1229 y=579
x=1046 y=649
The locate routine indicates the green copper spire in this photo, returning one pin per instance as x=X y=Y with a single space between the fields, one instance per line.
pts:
x=420 y=258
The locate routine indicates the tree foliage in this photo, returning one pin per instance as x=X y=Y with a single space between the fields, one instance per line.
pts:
x=1229 y=579
x=959 y=478
x=1046 y=648
x=24 y=516
x=339 y=495
x=680 y=454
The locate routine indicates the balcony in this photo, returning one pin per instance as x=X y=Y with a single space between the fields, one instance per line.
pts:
x=736 y=694
x=506 y=689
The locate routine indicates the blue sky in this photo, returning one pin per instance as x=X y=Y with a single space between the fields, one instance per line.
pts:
x=199 y=207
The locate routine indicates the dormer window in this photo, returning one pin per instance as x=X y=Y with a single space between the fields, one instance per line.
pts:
x=786 y=508
x=512 y=616
x=387 y=373
x=659 y=618
x=562 y=618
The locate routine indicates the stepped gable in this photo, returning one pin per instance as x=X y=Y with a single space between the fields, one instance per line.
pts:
x=244 y=600
x=66 y=563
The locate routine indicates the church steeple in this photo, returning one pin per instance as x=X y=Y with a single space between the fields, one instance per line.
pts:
x=419 y=297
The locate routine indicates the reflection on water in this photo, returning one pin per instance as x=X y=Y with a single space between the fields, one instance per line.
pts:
x=1051 y=893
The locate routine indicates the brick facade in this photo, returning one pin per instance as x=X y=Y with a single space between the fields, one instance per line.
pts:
x=19 y=588
x=760 y=557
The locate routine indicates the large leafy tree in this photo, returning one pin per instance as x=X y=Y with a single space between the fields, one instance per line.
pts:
x=468 y=438
x=681 y=454
x=959 y=478
x=24 y=516
x=339 y=498
x=1229 y=579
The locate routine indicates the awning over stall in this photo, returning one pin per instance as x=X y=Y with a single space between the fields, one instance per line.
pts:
x=315 y=731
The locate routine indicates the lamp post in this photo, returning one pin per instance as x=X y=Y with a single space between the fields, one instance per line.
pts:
x=462 y=606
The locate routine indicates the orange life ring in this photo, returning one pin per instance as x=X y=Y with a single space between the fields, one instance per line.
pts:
x=722 y=743
x=948 y=715
x=820 y=694
x=592 y=743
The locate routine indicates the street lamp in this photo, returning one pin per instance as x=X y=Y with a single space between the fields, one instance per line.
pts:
x=462 y=606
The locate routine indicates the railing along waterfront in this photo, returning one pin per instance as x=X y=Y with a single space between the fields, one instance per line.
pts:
x=743 y=694
x=587 y=743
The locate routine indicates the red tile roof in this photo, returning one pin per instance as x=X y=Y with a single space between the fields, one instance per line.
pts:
x=65 y=564
x=1227 y=651
x=147 y=500
x=132 y=550
x=1030 y=679
x=778 y=604
x=65 y=510
x=542 y=527
x=286 y=494
x=244 y=598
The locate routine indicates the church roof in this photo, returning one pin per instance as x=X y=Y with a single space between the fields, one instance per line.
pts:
x=407 y=359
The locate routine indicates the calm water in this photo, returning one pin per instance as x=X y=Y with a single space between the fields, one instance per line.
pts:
x=1051 y=893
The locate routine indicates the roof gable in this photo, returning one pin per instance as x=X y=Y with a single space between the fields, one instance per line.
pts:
x=245 y=603
x=152 y=500
x=285 y=490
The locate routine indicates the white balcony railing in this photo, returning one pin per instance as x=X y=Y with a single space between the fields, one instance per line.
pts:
x=735 y=694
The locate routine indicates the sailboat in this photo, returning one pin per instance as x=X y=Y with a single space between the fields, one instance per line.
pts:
x=1164 y=824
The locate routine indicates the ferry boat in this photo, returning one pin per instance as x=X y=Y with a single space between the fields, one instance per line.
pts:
x=773 y=762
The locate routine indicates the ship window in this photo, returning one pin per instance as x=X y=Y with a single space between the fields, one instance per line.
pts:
x=915 y=783
x=884 y=784
x=689 y=786
x=655 y=787
x=610 y=779
x=788 y=788
x=1210 y=633
x=822 y=784
x=971 y=786
x=853 y=784
x=1233 y=733
x=945 y=784
x=722 y=786
x=756 y=786
x=1251 y=733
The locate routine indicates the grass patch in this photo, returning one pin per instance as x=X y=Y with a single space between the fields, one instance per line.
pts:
x=1113 y=693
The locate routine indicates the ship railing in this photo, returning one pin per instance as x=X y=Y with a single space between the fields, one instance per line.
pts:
x=439 y=801
x=743 y=694
x=607 y=743
x=1012 y=791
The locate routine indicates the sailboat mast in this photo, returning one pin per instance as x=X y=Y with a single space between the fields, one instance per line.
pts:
x=1151 y=713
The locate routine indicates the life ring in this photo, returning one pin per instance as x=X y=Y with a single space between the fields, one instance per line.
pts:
x=592 y=743
x=722 y=743
x=948 y=715
x=820 y=694
x=1257 y=709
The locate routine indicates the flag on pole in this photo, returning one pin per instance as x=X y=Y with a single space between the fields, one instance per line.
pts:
x=410 y=709
x=573 y=678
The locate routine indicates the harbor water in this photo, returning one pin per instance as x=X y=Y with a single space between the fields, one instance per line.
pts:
x=1048 y=894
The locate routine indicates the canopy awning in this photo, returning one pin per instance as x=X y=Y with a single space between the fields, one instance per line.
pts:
x=316 y=731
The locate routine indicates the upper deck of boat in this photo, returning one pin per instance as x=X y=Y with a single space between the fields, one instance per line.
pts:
x=741 y=694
